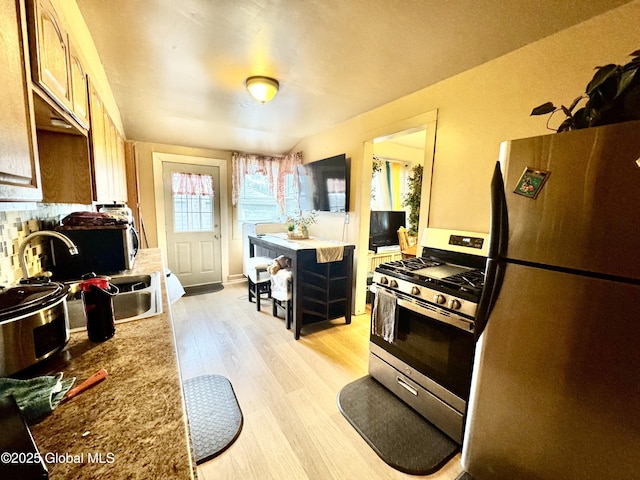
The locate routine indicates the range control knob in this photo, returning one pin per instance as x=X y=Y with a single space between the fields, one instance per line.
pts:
x=384 y=280
x=393 y=284
x=439 y=299
x=415 y=290
x=454 y=304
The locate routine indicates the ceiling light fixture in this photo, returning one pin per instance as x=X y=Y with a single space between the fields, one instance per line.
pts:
x=262 y=89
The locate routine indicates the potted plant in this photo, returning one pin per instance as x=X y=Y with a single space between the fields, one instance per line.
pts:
x=412 y=200
x=300 y=223
x=612 y=96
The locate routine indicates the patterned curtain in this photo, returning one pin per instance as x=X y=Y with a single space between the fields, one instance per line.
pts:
x=192 y=184
x=388 y=184
x=274 y=169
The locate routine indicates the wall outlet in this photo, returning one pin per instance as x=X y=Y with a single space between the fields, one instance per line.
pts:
x=346 y=217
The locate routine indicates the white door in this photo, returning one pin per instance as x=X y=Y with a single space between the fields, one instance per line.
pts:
x=193 y=227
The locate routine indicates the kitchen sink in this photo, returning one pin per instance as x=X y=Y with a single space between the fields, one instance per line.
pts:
x=139 y=297
x=132 y=305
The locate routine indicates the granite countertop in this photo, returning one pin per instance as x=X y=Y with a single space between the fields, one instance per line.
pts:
x=133 y=424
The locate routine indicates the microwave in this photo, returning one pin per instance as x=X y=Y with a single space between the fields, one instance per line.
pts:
x=104 y=250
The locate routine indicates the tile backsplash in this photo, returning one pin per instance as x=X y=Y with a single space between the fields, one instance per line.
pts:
x=16 y=225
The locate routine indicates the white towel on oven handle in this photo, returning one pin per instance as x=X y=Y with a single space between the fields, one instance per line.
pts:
x=384 y=315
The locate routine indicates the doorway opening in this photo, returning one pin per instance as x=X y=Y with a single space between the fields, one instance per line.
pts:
x=410 y=142
x=193 y=230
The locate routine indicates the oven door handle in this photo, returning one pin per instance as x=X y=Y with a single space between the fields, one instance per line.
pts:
x=454 y=321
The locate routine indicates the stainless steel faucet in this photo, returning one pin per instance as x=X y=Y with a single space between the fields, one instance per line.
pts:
x=73 y=250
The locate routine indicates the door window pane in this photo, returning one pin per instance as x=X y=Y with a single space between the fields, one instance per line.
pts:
x=192 y=213
x=192 y=202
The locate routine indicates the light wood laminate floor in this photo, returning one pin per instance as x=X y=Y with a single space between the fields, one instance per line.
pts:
x=287 y=390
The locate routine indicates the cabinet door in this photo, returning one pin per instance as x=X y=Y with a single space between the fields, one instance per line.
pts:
x=79 y=90
x=121 y=169
x=65 y=167
x=107 y=154
x=133 y=187
x=101 y=172
x=110 y=133
x=19 y=171
x=51 y=55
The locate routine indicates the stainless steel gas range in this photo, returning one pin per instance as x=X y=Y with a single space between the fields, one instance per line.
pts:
x=422 y=325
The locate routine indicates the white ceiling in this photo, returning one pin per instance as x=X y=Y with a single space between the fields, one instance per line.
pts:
x=177 y=67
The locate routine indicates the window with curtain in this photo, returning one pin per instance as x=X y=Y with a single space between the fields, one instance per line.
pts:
x=192 y=202
x=265 y=188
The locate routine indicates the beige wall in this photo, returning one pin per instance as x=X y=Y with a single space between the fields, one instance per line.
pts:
x=480 y=108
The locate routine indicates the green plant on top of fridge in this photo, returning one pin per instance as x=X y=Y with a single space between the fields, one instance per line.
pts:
x=612 y=96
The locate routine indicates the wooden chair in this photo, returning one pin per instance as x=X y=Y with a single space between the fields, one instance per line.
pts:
x=407 y=248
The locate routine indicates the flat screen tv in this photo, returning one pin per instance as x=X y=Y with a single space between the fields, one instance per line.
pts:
x=383 y=228
x=324 y=185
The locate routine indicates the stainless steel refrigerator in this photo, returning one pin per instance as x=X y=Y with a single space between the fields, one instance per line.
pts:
x=556 y=384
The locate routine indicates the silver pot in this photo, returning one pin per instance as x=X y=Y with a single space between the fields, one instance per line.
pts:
x=34 y=325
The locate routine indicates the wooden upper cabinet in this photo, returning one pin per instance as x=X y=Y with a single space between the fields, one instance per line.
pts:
x=79 y=88
x=19 y=171
x=132 y=178
x=99 y=148
x=118 y=190
x=55 y=63
x=121 y=178
x=50 y=52
x=65 y=167
x=107 y=152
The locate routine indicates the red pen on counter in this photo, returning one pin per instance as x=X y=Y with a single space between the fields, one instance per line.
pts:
x=88 y=383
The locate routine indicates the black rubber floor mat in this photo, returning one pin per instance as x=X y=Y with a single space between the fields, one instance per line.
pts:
x=400 y=436
x=202 y=289
x=215 y=419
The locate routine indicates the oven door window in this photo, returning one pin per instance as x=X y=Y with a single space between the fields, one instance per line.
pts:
x=437 y=350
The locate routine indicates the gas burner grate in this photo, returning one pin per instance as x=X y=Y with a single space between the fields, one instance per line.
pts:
x=411 y=264
x=473 y=279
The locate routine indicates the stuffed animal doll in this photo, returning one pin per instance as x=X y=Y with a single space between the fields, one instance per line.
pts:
x=278 y=264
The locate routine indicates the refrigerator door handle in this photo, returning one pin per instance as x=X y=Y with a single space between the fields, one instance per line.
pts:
x=493 y=282
x=499 y=218
x=497 y=251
